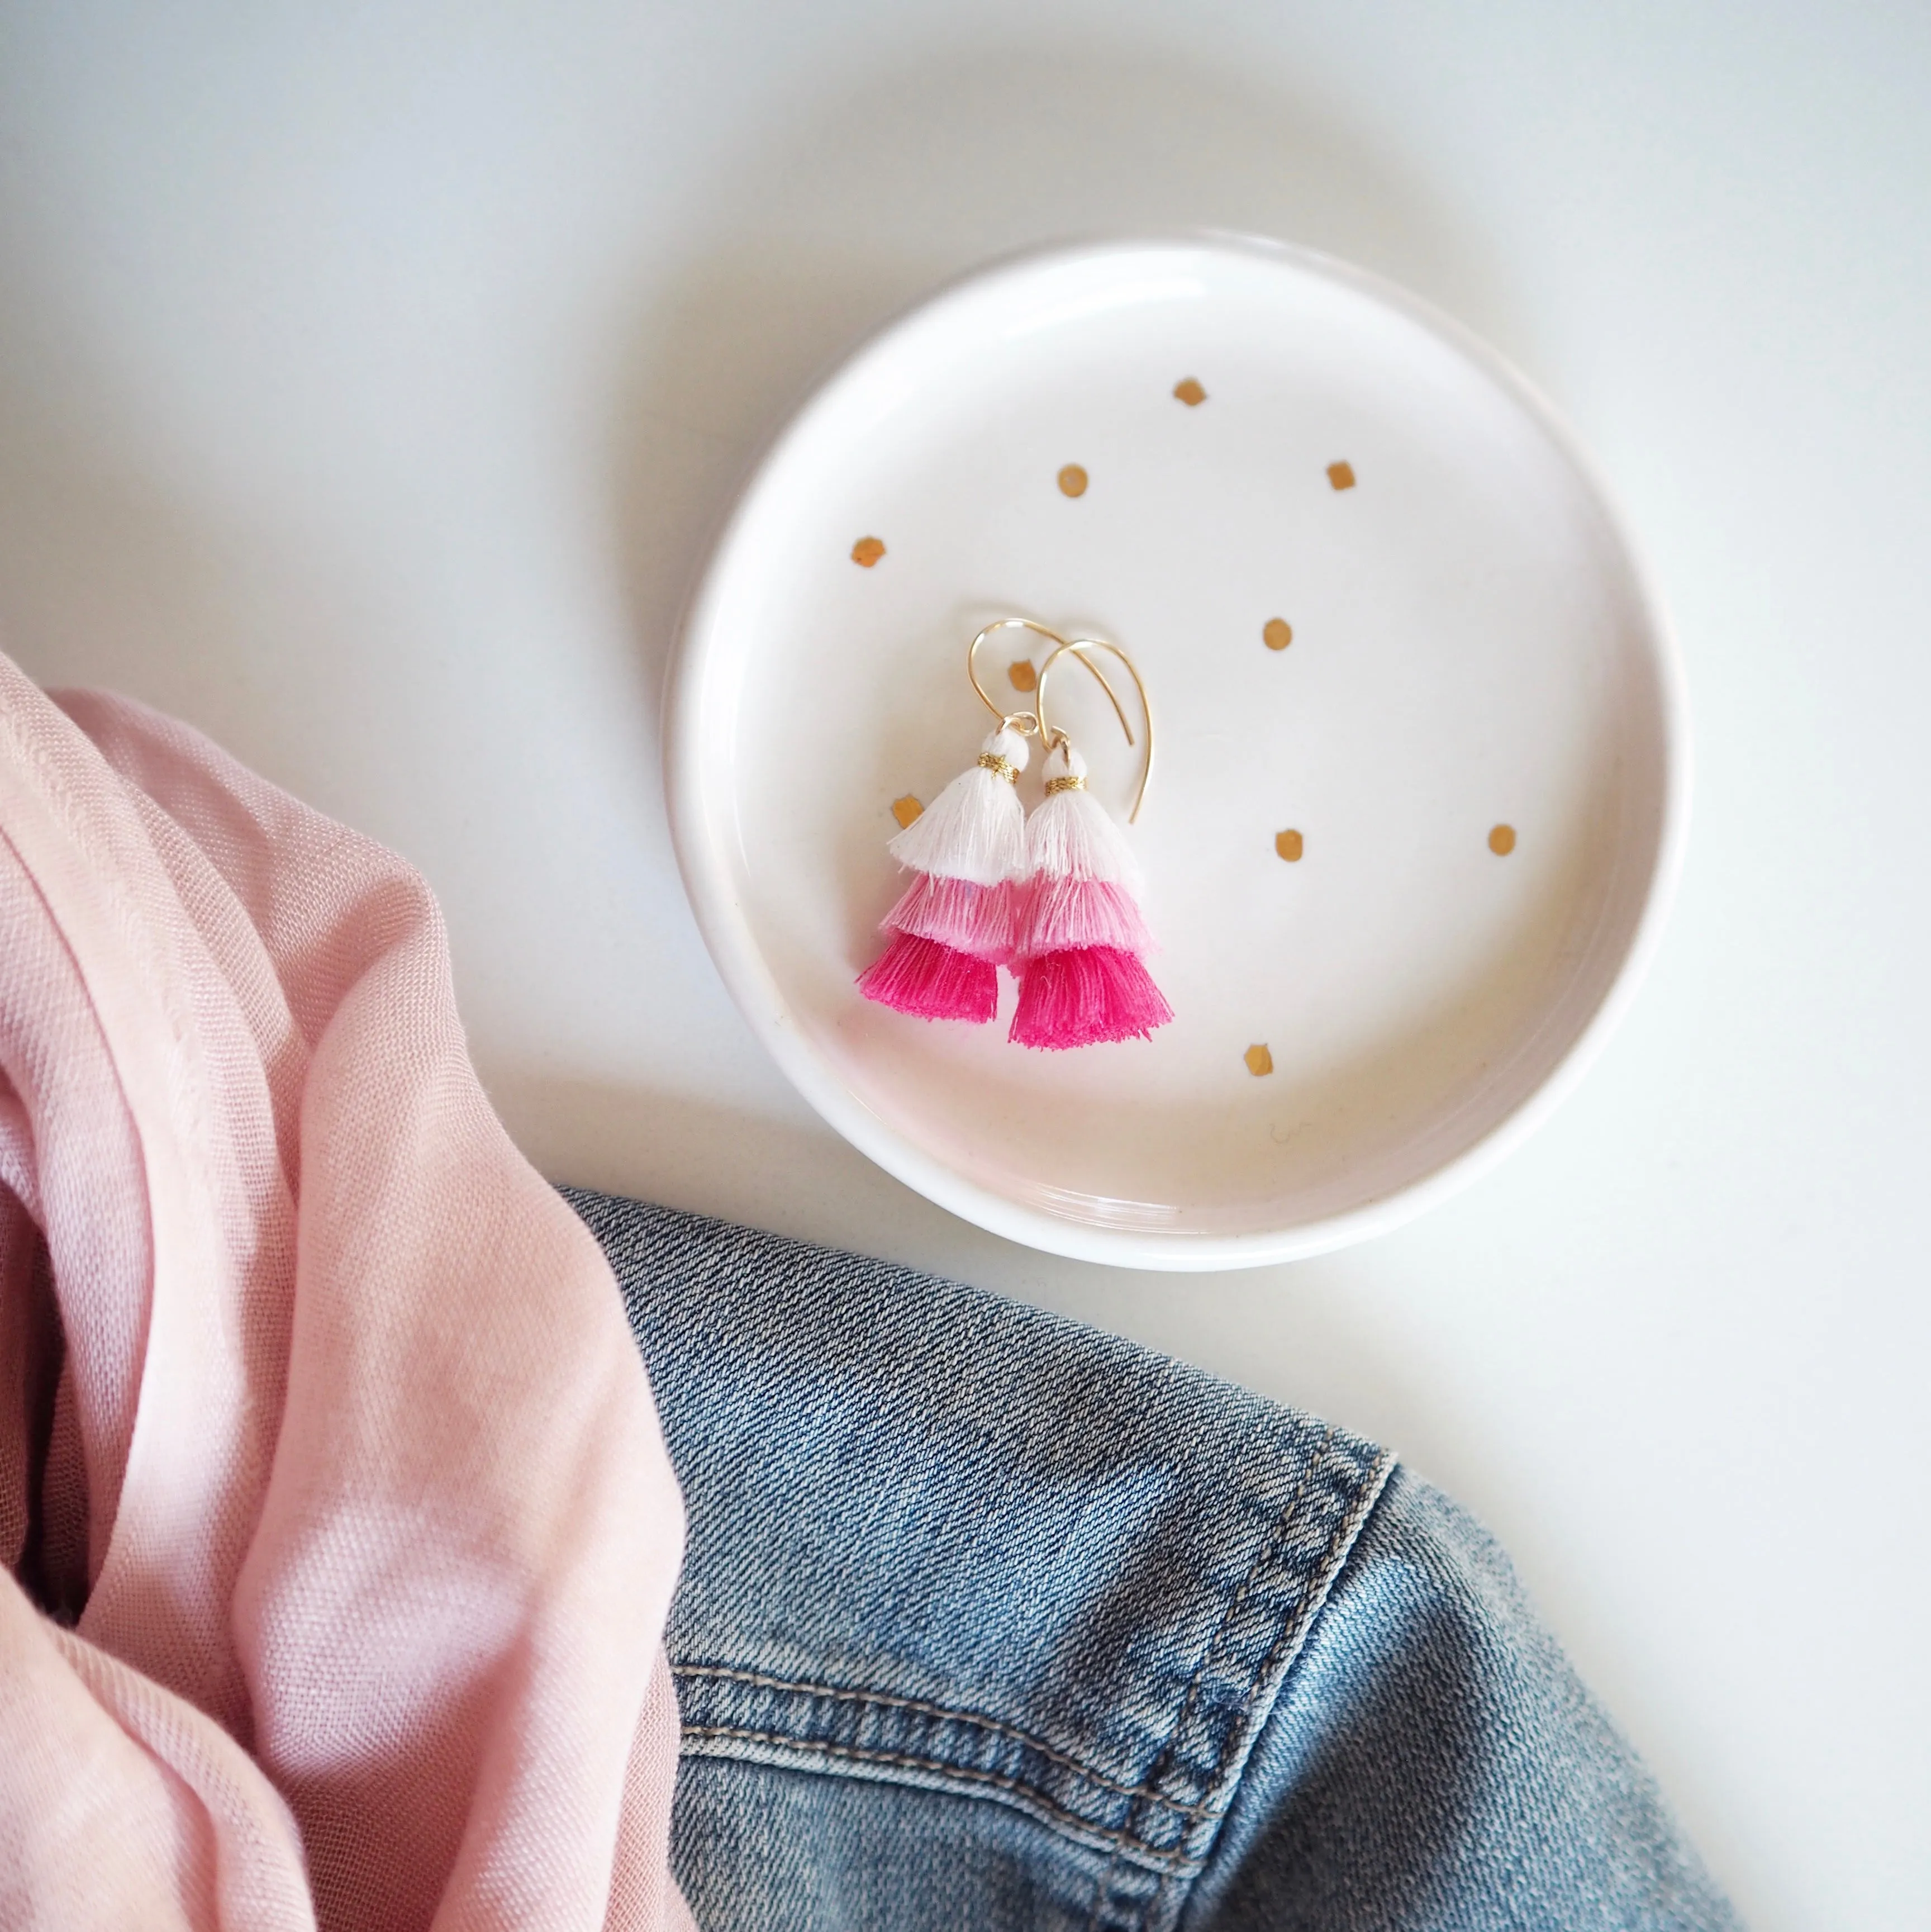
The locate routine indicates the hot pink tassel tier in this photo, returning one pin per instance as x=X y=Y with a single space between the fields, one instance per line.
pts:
x=981 y=920
x=930 y=981
x=1086 y=996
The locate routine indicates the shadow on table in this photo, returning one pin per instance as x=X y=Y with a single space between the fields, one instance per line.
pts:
x=831 y=223
x=794 y=1177
x=1325 y=1350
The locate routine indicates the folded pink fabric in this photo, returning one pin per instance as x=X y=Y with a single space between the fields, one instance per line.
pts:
x=322 y=1436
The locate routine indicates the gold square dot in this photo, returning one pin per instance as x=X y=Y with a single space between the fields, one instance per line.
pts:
x=1190 y=392
x=1290 y=845
x=1502 y=840
x=905 y=810
x=1022 y=676
x=867 y=551
x=1277 y=633
x=1072 y=480
x=1260 y=1061
x=1341 y=475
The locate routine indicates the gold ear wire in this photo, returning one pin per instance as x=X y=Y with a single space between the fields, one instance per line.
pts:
x=1049 y=734
x=1028 y=721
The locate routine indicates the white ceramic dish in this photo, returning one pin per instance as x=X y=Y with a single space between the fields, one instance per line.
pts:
x=1474 y=647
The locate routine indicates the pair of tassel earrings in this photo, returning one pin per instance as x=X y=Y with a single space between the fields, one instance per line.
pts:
x=1053 y=898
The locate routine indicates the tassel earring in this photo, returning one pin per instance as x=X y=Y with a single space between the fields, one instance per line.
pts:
x=957 y=923
x=1080 y=951
x=953 y=927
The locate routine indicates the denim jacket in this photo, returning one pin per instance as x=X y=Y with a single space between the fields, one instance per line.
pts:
x=990 y=1620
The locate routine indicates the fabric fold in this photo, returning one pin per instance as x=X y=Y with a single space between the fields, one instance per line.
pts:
x=319 y=1420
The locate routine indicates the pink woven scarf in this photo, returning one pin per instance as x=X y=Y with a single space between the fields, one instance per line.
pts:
x=341 y=1530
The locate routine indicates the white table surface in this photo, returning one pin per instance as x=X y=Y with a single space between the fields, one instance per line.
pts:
x=369 y=378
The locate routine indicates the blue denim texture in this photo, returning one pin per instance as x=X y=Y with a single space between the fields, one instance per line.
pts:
x=991 y=1620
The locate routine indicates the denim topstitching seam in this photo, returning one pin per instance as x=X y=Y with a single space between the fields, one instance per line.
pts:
x=1294 y=1632
x=1118 y=1841
x=948 y=1713
x=1266 y=1559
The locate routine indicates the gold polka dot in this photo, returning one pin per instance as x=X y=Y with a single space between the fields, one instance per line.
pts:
x=1190 y=392
x=1022 y=674
x=867 y=551
x=1259 y=1060
x=1290 y=845
x=1502 y=840
x=1072 y=480
x=905 y=810
x=1341 y=475
x=1277 y=633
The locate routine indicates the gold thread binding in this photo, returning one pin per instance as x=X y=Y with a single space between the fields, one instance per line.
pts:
x=1069 y=783
x=1005 y=767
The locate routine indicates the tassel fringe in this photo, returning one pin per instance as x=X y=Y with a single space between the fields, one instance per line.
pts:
x=1086 y=997
x=1072 y=836
x=975 y=828
x=1060 y=915
x=919 y=976
x=981 y=920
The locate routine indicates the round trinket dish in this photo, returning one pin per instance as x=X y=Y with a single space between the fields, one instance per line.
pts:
x=1420 y=786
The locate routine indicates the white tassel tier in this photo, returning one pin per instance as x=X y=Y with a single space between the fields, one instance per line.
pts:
x=1071 y=835
x=975 y=828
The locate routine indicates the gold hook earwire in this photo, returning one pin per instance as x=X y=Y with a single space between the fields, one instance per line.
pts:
x=1059 y=644
x=1079 y=646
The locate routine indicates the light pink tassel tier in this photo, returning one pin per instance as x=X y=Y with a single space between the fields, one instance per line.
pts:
x=1066 y=915
x=1081 y=979
x=960 y=913
x=956 y=924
